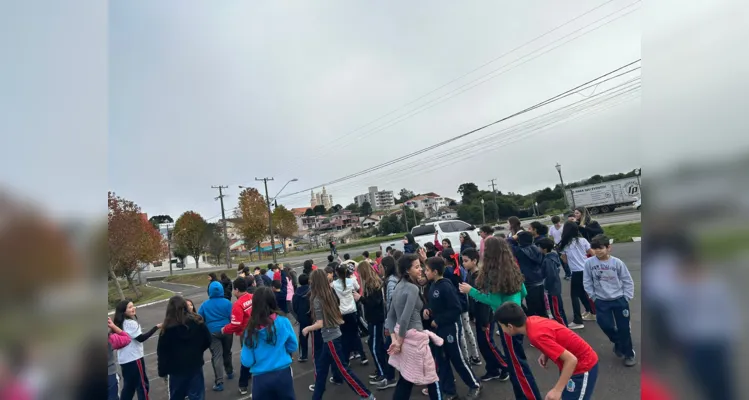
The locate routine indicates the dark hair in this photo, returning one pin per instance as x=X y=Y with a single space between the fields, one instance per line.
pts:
x=448 y=255
x=341 y=272
x=502 y=235
x=449 y=243
x=346 y=256
x=545 y=244
x=271 y=267
x=388 y=262
x=246 y=270
x=404 y=264
x=263 y=306
x=600 y=241
x=330 y=269
x=388 y=249
x=307 y=266
x=263 y=271
x=257 y=269
x=225 y=278
x=240 y=285
x=524 y=238
x=514 y=224
x=212 y=275
x=410 y=239
x=437 y=265
x=467 y=239
x=429 y=246
x=570 y=232
x=303 y=279
x=540 y=228
x=365 y=254
x=119 y=313
x=555 y=219
x=487 y=229
x=240 y=267
x=509 y=313
x=471 y=253
x=250 y=281
x=397 y=255
x=330 y=258
x=176 y=313
x=276 y=284
x=291 y=274
x=378 y=254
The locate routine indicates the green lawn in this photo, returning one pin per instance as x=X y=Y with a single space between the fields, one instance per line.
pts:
x=149 y=294
x=623 y=232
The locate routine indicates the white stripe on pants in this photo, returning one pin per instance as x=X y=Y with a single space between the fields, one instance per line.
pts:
x=469 y=336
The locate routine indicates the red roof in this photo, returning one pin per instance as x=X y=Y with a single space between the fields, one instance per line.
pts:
x=299 y=211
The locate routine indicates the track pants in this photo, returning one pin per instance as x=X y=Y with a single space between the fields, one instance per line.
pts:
x=581 y=386
x=523 y=383
x=221 y=356
x=613 y=318
x=244 y=376
x=134 y=380
x=330 y=356
x=190 y=385
x=495 y=364
x=303 y=340
x=577 y=292
x=277 y=385
x=535 y=301
x=112 y=387
x=404 y=388
x=468 y=339
x=555 y=309
x=379 y=352
x=451 y=353
x=350 y=338
x=317 y=351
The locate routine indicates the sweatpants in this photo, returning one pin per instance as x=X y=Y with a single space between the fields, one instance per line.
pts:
x=303 y=340
x=613 y=318
x=331 y=356
x=317 y=351
x=134 y=380
x=404 y=388
x=581 y=386
x=555 y=309
x=379 y=352
x=221 y=356
x=523 y=383
x=495 y=364
x=112 y=387
x=578 y=295
x=190 y=385
x=468 y=339
x=535 y=301
x=451 y=353
x=277 y=385
x=244 y=376
x=350 y=338
x=566 y=268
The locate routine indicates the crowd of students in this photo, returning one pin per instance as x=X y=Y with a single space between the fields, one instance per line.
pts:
x=426 y=312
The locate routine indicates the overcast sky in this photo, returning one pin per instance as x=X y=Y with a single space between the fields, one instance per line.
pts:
x=221 y=93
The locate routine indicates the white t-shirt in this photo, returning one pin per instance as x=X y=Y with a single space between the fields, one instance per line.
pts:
x=348 y=305
x=555 y=233
x=134 y=350
x=576 y=253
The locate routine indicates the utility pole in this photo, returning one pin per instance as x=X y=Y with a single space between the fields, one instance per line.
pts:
x=169 y=243
x=270 y=218
x=223 y=218
x=494 y=189
x=405 y=216
x=564 y=191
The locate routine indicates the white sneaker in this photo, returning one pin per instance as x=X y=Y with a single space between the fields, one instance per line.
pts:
x=573 y=325
x=589 y=317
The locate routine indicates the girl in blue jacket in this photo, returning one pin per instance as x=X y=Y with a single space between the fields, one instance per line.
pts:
x=268 y=344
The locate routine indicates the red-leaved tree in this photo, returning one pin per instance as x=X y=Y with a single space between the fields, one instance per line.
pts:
x=189 y=235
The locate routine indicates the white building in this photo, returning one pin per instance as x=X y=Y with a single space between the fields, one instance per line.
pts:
x=322 y=198
x=428 y=204
x=378 y=199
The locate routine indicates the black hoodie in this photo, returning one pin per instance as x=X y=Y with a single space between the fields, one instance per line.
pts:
x=482 y=313
x=529 y=259
x=444 y=305
x=374 y=307
x=300 y=305
x=180 y=348
x=551 y=265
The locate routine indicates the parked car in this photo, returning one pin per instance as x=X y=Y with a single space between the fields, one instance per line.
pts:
x=638 y=203
x=179 y=264
x=424 y=233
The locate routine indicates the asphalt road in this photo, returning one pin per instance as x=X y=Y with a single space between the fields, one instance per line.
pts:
x=615 y=381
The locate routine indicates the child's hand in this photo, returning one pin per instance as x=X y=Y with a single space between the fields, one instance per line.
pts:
x=422 y=254
x=465 y=288
x=542 y=360
x=305 y=331
x=110 y=324
x=426 y=314
x=357 y=296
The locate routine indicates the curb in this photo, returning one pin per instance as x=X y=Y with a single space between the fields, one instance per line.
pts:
x=111 y=312
x=636 y=239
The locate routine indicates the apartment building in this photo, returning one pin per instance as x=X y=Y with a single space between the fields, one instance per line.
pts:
x=378 y=199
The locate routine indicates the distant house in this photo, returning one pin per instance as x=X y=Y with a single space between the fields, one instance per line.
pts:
x=372 y=221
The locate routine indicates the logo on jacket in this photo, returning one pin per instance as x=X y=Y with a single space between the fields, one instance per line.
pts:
x=570 y=385
x=436 y=294
x=450 y=339
x=625 y=313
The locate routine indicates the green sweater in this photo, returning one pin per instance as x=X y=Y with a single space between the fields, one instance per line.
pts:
x=494 y=300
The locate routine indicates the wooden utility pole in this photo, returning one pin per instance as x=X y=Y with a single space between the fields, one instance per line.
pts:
x=223 y=218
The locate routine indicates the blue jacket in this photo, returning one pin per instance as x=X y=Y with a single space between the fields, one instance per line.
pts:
x=216 y=311
x=266 y=357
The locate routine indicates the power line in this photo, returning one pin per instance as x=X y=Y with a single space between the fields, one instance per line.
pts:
x=444 y=142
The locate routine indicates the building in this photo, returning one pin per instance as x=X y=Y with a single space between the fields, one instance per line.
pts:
x=378 y=199
x=322 y=198
x=429 y=204
x=372 y=221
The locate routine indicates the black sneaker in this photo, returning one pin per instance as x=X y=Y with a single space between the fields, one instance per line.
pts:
x=475 y=361
x=618 y=353
x=386 y=384
x=474 y=393
x=504 y=376
x=302 y=359
x=375 y=375
x=373 y=380
x=334 y=382
x=242 y=390
x=490 y=376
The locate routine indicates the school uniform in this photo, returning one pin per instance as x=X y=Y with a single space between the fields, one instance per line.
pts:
x=444 y=308
x=529 y=258
x=553 y=288
x=301 y=307
x=179 y=355
x=374 y=311
x=553 y=339
x=132 y=363
x=350 y=339
x=270 y=363
x=496 y=366
x=576 y=252
x=458 y=275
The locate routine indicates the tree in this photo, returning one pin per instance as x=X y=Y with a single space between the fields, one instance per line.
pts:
x=160 y=219
x=412 y=216
x=391 y=224
x=405 y=195
x=284 y=222
x=309 y=213
x=353 y=207
x=467 y=190
x=189 y=234
x=214 y=239
x=132 y=240
x=252 y=212
x=366 y=208
x=319 y=209
x=336 y=208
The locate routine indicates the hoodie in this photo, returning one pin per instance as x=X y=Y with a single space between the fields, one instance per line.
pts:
x=410 y=246
x=482 y=313
x=300 y=305
x=551 y=265
x=529 y=259
x=180 y=348
x=216 y=311
x=444 y=305
x=268 y=357
x=374 y=307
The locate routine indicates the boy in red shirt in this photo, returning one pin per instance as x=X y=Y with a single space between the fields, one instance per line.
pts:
x=577 y=362
x=240 y=317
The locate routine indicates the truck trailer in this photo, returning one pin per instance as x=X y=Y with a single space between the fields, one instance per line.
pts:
x=605 y=197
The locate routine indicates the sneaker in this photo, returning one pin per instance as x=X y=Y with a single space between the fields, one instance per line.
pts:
x=425 y=392
x=334 y=382
x=219 y=387
x=376 y=379
x=567 y=278
x=364 y=361
x=474 y=393
x=302 y=359
x=312 y=387
x=387 y=384
x=355 y=355
x=618 y=353
x=490 y=377
x=475 y=361
x=630 y=361
x=499 y=333
x=242 y=390
x=573 y=325
x=376 y=375
x=230 y=375
x=504 y=376
x=589 y=317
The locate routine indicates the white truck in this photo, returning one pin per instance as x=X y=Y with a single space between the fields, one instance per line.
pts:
x=424 y=233
x=605 y=197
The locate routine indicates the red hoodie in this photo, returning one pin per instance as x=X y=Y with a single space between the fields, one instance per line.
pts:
x=240 y=315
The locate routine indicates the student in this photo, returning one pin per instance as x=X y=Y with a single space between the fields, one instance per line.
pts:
x=332 y=261
x=608 y=283
x=268 y=344
x=466 y=242
x=291 y=283
x=552 y=283
x=457 y=274
x=378 y=260
x=179 y=353
x=577 y=362
x=538 y=230
x=240 y=269
x=496 y=367
x=226 y=285
x=485 y=232
x=445 y=244
x=430 y=250
x=271 y=270
x=216 y=312
x=117 y=339
x=529 y=258
x=365 y=254
x=445 y=310
x=397 y=254
x=499 y=281
x=409 y=244
x=264 y=279
x=515 y=227
x=211 y=278
x=301 y=307
x=588 y=227
x=280 y=297
x=404 y=320
x=240 y=316
x=389 y=251
x=307 y=268
x=373 y=304
x=345 y=287
x=575 y=250
x=555 y=231
x=328 y=319
x=130 y=357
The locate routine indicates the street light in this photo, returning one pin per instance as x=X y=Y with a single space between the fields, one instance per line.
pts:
x=564 y=191
x=483 y=214
x=637 y=174
x=270 y=213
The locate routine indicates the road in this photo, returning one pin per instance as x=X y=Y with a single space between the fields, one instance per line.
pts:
x=617 y=217
x=615 y=381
